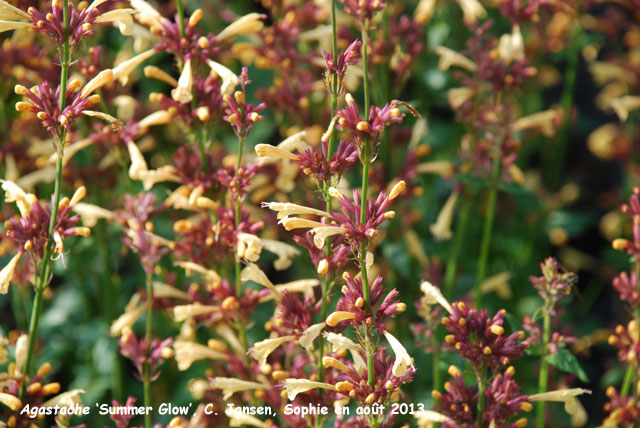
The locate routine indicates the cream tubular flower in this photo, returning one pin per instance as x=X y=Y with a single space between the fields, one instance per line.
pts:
x=6 y=274
x=160 y=117
x=229 y=385
x=429 y=418
x=320 y=234
x=498 y=283
x=260 y=351
x=14 y=193
x=450 y=58
x=228 y=334
x=267 y=150
x=11 y=401
x=13 y=18
x=123 y=18
x=4 y=353
x=90 y=214
x=472 y=10
x=339 y=341
x=190 y=267
x=122 y=71
x=247 y=24
x=299 y=286
x=138 y=164
x=22 y=345
x=434 y=296
x=182 y=93
x=459 y=96
x=601 y=142
x=623 y=105
x=571 y=404
x=285 y=253
x=229 y=79
x=184 y=312
x=186 y=353
x=339 y=316
x=293 y=387
x=403 y=359
x=66 y=399
x=424 y=11
x=295 y=142
x=286 y=209
x=249 y=247
x=165 y=291
x=291 y=223
x=253 y=273
x=239 y=419
x=153 y=72
x=134 y=309
x=310 y=335
x=511 y=46
x=147 y=14
x=101 y=79
x=544 y=121
x=441 y=229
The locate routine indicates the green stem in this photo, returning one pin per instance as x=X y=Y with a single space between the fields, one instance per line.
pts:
x=557 y=153
x=456 y=250
x=238 y=265
x=180 y=9
x=481 y=400
x=544 y=369
x=147 y=336
x=626 y=384
x=487 y=230
x=45 y=265
x=363 y=201
x=328 y=201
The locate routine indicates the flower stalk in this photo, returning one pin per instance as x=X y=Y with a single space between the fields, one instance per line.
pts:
x=147 y=335
x=363 y=203
x=180 y=10
x=544 y=368
x=487 y=229
x=324 y=285
x=45 y=264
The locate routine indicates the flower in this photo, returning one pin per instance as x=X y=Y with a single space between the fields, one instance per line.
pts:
x=44 y=102
x=349 y=56
x=450 y=58
x=441 y=229
x=480 y=339
x=403 y=360
x=240 y=115
x=433 y=296
x=186 y=353
x=293 y=387
x=260 y=351
x=511 y=46
x=229 y=386
x=363 y=10
x=80 y=20
x=571 y=404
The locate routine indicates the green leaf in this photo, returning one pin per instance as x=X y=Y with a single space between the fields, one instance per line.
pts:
x=567 y=362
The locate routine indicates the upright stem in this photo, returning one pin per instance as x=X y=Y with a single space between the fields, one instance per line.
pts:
x=544 y=369
x=238 y=265
x=452 y=262
x=147 y=365
x=487 y=229
x=558 y=152
x=180 y=9
x=481 y=400
x=366 y=160
x=328 y=202
x=45 y=264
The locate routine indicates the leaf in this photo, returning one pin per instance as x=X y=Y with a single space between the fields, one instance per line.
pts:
x=567 y=362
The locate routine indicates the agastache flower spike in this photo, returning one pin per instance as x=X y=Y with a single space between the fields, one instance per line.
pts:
x=240 y=115
x=363 y=10
x=338 y=67
x=81 y=20
x=480 y=339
